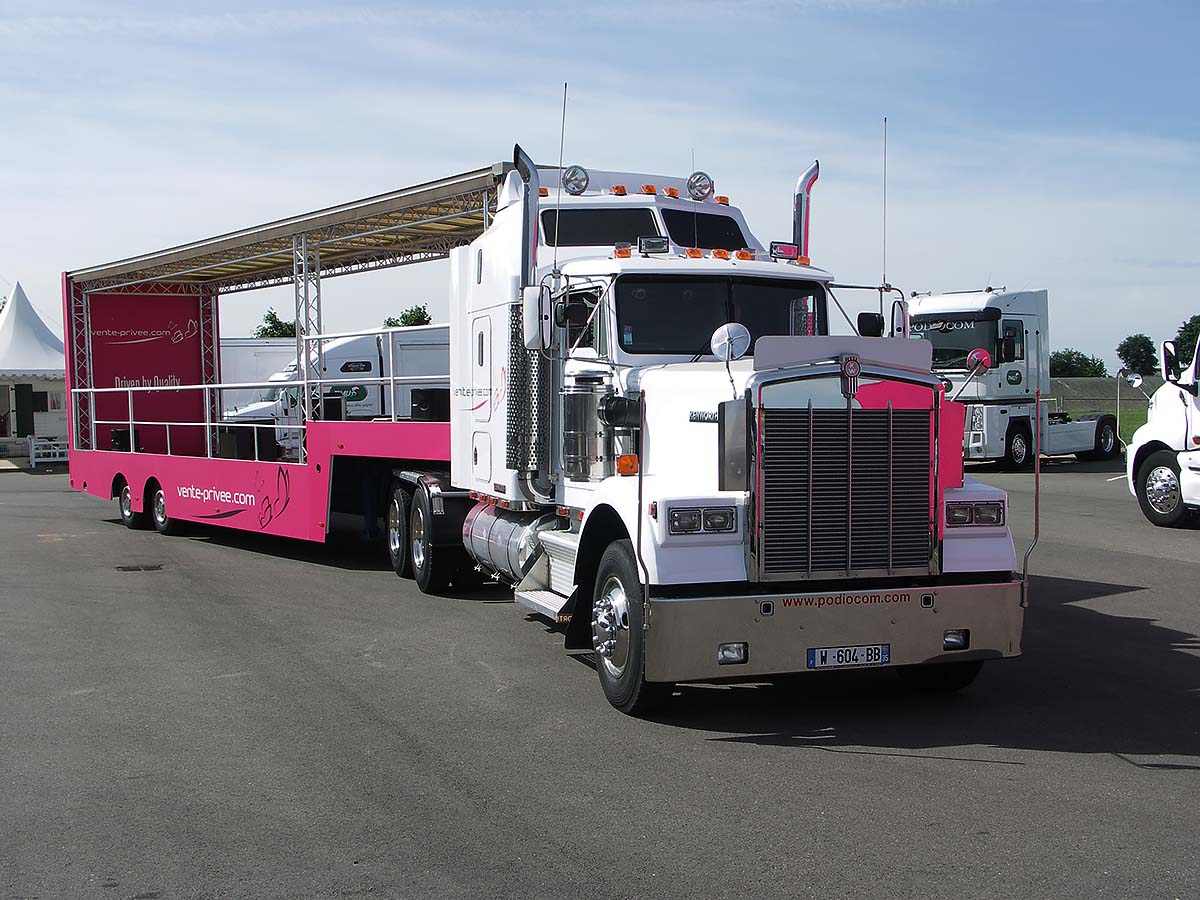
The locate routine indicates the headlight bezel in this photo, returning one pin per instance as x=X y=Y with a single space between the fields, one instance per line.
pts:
x=703 y=524
x=968 y=513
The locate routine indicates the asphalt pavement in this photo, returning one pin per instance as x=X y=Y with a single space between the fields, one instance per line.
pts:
x=223 y=715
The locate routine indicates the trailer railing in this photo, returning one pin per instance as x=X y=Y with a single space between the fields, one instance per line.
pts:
x=212 y=427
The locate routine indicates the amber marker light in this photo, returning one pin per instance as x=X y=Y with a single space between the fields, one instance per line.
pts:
x=627 y=464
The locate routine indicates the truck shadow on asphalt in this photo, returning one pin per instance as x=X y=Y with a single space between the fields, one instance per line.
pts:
x=1088 y=683
x=1051 y=465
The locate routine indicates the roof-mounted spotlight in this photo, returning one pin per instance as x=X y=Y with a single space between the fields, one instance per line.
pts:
x=648 y=244
x=700 y=186
x=575 y=180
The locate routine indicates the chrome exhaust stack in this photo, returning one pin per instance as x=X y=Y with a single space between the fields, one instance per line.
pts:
x=529 y=217
x=800 y=206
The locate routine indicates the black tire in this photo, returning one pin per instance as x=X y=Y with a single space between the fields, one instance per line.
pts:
x=1106 y=446
x=130 y=519
x=163 y=523
x=1158 y=490
x=434 y=567
x=618 y=635
x=396 y=532
x=941 y=678
x=1018 y=447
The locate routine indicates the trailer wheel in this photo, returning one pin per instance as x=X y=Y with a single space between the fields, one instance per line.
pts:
x=618 y=635
x=1107 y=445
x=1018 y=447
x=433 y=566
x=129 y=518
x=1158 y=490
x=941 y=678
x=398 y=512
x=163 y=523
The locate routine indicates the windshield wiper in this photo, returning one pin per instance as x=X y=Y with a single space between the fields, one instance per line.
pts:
x=706 y=346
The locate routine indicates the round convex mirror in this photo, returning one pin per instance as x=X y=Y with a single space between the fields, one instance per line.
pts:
x=730 y=341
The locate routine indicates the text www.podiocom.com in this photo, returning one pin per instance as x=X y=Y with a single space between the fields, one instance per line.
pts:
x=215 y=495
x=819 y=600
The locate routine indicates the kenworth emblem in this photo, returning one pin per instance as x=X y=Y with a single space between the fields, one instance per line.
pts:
x=702 y=415
x=851 y=368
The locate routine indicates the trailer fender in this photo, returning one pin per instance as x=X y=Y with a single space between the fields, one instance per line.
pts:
x=449 y=506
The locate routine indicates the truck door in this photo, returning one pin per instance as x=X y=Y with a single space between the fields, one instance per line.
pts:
x=1015 y=379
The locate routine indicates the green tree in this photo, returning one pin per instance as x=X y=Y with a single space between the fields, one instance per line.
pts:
x=1185 y=340
x=1068 y=363
x=274 y=327
x=1137 y=354
x=414 y=315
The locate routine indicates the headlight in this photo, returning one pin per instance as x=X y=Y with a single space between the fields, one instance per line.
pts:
x=976 y=418
x=990 y=513
x=684 y=521
x=710 y=519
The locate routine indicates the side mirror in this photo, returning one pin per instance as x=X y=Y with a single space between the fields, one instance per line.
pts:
x=979 y=360
x=1008 y=349
x=561 y=314
x=730 y=341
x=535 y=316
x=870 y=324
x=1135 y=380
x=1169 y=362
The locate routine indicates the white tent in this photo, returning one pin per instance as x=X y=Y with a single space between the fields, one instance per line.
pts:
x=28 y=348
x=31 y=372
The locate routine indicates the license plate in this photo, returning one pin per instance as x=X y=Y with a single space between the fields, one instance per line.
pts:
x=849 y=657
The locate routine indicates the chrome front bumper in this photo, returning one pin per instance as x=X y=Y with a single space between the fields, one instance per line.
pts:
x=683 y=634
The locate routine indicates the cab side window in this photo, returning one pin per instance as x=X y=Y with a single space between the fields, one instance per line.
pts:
x=1014 y=329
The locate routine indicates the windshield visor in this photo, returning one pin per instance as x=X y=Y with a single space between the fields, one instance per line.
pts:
x=678 y=315
x=955 y=336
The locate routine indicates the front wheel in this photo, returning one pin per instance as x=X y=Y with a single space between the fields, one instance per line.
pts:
x=129 y=518
x=1158 y=490
x=1018 y=449
x=618 y=635
x=941 y=678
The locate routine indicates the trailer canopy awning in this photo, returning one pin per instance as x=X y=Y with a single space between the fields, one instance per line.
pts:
x=410 y=225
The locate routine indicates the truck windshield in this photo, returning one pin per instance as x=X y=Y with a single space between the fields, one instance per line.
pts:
x=955 y=336
x=703 y=230
x=596 y=227
x=665 y=314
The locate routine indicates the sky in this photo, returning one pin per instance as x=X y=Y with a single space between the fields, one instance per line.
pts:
x=1030 y=144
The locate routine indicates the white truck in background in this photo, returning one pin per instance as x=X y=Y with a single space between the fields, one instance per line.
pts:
x=352 y=366
x=1014 y=327
x=1162 y=462
x=246 y=360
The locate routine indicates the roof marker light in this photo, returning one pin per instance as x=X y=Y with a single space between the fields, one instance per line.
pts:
x=543 y=192
x=783 y=250
x=649 y=189
x=622 y=250
x=618 y=190
x=744 y=254
x=673 y=193
x=694 y=253
x=648 y=244
x=575 y=179
x=803 y=261
x=718 y=253
x=724 y=201
x=700 y=186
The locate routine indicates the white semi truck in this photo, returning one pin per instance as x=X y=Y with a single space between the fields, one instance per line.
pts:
x=1162 y=463
x=1014 y=327
x=654 y=440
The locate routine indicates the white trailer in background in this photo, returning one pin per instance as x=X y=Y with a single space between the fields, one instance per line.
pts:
x=1014 y=327
x=245 y=360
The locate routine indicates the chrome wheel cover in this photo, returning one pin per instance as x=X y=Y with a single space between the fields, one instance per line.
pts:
x=126 y=502
x=1162 y=490
x=610 y=627
x=1019 y=449
x=418 y=537
x=1107 y=439
x=393 y=528
x=160 y=508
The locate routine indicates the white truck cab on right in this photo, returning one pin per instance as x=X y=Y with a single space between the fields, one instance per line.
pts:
x=1013 y=327
x=1162 y=463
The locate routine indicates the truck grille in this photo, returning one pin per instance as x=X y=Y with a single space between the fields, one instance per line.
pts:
x=845 y=491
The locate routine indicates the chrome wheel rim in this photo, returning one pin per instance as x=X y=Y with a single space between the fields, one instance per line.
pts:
x=393 y=526
x=418 y=538
x=1162 y=490
x=610 y=627
x=160 y=508
x=1019 y=448
x=1107 y=439
x=126 y=502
